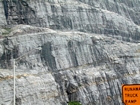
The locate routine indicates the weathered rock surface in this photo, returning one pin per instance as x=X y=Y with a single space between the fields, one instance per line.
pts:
x=57 y=67
x=110 y=17
x=2 y=15
x=59 y=63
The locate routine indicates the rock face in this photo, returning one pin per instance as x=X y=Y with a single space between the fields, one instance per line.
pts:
x=114 y=17
x=88 y=50
x=57 y=67
x=2 y=15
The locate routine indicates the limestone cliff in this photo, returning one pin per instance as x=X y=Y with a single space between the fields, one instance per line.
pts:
x=82 y=50
x=113 y=17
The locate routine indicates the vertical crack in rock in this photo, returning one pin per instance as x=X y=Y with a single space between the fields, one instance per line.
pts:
x=72 y=53
x=5 y=4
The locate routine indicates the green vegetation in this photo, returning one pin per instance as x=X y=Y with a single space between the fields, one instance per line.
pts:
x=6 y=31
x=74 y=103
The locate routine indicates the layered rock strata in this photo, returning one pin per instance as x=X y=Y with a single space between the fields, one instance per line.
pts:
x=110 y=17
x=55 y=67
x=80 y=50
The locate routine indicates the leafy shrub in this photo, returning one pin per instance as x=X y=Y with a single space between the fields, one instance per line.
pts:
x=74 y=103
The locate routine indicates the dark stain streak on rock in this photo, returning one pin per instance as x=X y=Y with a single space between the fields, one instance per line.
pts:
x=47 y=56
